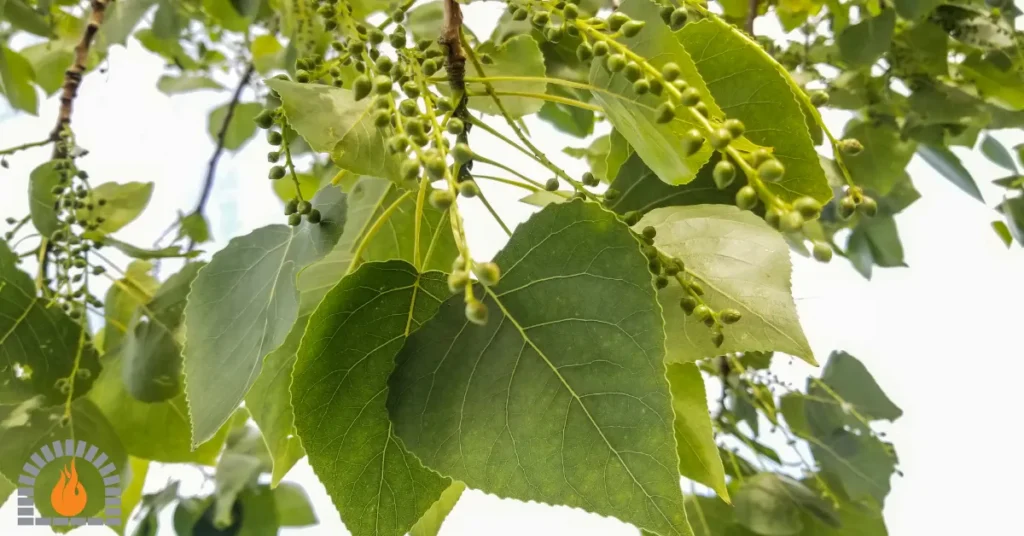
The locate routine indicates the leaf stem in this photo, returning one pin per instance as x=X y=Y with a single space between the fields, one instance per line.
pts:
x=544 y=97
x=483 y=199
x=510 y=182
x=488 y=161
x=24 y=146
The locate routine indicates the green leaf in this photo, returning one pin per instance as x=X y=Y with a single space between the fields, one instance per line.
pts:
x=152 y=354
x=344 y=422
x=242 y=306
x=518 y=56
x=926 y=46
x=195 y=228
x=40 y=191
x=121 y=18
x=241 y=128
x=975 y=26
x=698 y=453
x=1003 y=232
x=771 y=505
x=227 y=14
x=852 y=382
x=571 y=120
x=862 y=463
x=117 y=203
x=769 y=109
x=543 y=198
x=743 y=264
x=155 y=431
x=711 y=517
x=561 y=397
x=39 y=338
x=123 y=298
x=430 y=522
x=23 y=16
x=137 y=252
x=882 y=240
x=293 y=506
x=169 y=49
x=863 y=43
x=331 y=121
x=997 y=153
x=1003 y=87
x=948 y=164
x=285 y=188
x=425 y=20
x=49 y=60
x=174 y=85
x=16 y=78
x=915 y=9
x=880 y=166
x=27 y=427
x=640 y=189
x=1013 y=209
x=633 y=115
x=135 y=480
x=270 y=403
x=267 y=53
x=619 y=151
x=167 y=21
x=596 y=154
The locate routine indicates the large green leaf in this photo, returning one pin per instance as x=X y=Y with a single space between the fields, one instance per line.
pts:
x=154 y=431
x=518 y=56
x=241 y=128
x=38 y=338
x=1002 y=86
x=850 y=380
x=26 y=17
x=340 y=392
x=640 y=189
x=771 y=505
x=949 y=166
x=42 y=201
x=331 y=121
x=174 y=85
x=430 y=522
x=121 y=18
x=744 y=264
x=242 y=306
x=875 y=241
x=122 y=203
x=561 y=397
x=49 y=60
x=863 y=43
x=659 y=144
x=997 y=153
x=748 y=85
x=880 y=166
x=293 y=506
x=16 y=78
x=915 y=9
x=698 y=453
x=122 y=299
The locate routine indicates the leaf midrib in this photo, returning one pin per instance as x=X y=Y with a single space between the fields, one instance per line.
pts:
x=579 y=401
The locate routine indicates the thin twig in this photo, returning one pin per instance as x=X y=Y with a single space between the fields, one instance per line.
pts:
x=73 y=76
x=748 y=24
x=24 y=146
x=211 y=171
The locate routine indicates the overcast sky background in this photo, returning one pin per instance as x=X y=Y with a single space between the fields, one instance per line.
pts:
x=942 y=337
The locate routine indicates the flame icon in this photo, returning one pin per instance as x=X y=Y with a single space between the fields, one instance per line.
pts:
x=68 y=496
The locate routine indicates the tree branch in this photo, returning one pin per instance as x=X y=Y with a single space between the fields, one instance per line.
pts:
x=748 y=25
x=73 y=76
x=455 y=62
x=211 y=171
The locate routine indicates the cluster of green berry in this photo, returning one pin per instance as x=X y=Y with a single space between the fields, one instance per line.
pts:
x=666 y=269
x=296 y=207
x=487 y=273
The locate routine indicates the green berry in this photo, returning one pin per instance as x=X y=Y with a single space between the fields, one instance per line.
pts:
x=590 y=180
x=868 y=207
x=661 y=282
x=771 y=170
x=759 y=157
x=670 y=71
x=695 y=287
x=274 y=137
x=314 y=216
x=408 y=108
x=819 y=98
x=411 y=89
x=723 y=174
x=435 y=166
x=273 y=157
x=616 y=20
x=641 y=87
x=691 y=142
x=656 y=86
x=847 y=206
x=678 y=18
x=666 y=13
x=462 y=153
x=702 y=312
x=361 y=87
x=720 y=138
x=264 y=119
x=441 y=199
x=632 y=28
x=632 y=71
x=773 y=217
x=735 y=127
x=381 y=118
x=851 y=146
x=294 y=219
x=276 y=172
x=476 y=312
x=455 y=126
x=551 y=185
x=469 y=189
x=600 y=48
x=717 y=338
x=650 y=232
x=304 y=207
x=615 y=63
x=291 y=207
x=808 y=207
x=665 y=112
x=410 y=169
x=457 y=281
x=540 y=18
x=570 y=12
x=488 y=273
x=702 y=109
x=302 y=76
x=611 y=194
x=688 y=304
x=384 y=64
x=746 y=198
x=690 y=97
x=584 y=52
x=520 y=14
x=398 y=144
x=791 y=222
x=822 y=252
x=382 y=84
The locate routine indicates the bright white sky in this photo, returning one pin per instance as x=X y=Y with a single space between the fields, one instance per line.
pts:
x=940 y=336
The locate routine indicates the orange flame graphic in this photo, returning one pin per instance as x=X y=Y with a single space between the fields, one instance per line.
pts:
x=68 y=497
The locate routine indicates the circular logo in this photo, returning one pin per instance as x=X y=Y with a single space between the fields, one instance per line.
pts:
x=69 y=483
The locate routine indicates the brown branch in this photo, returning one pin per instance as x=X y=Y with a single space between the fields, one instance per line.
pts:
x=73 y=75
x=748 y=25
x=211 y=171
x=455 y=61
